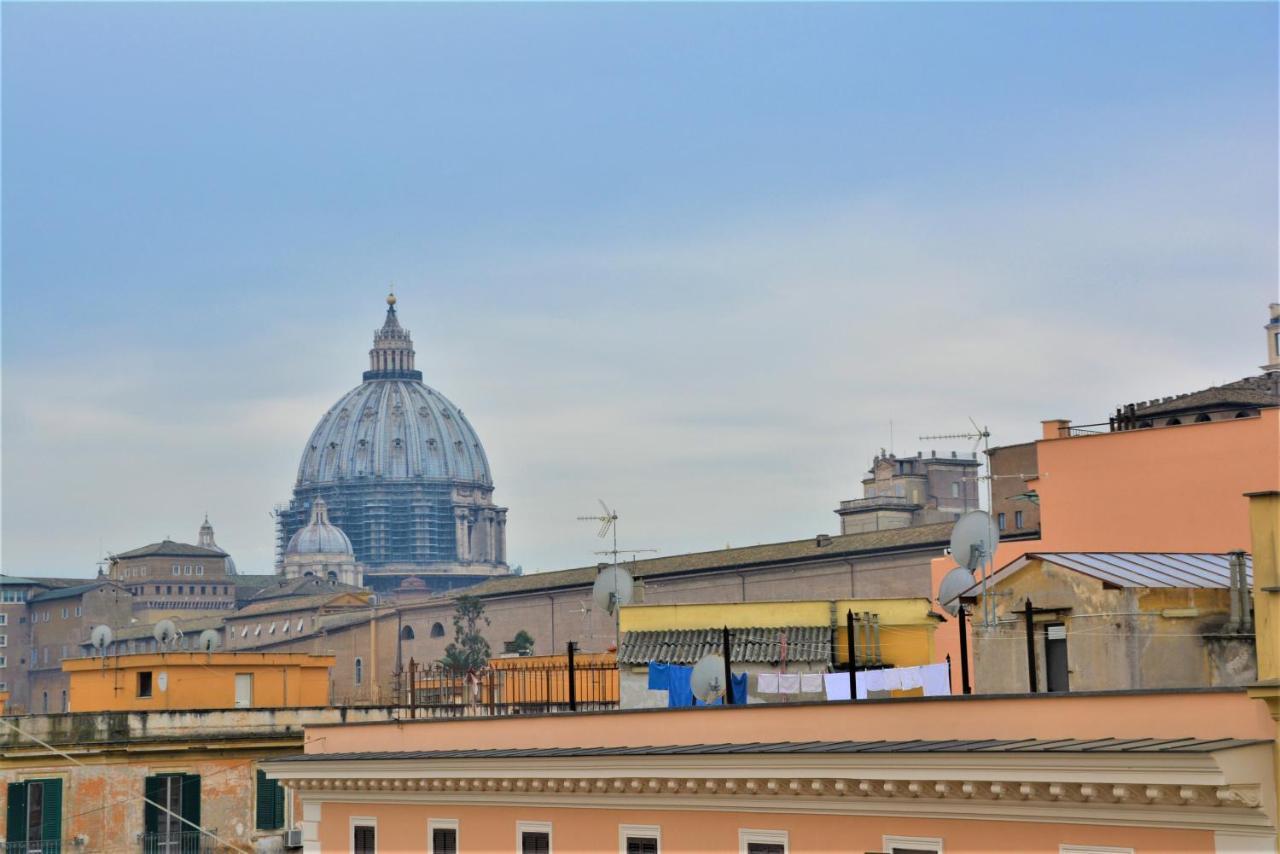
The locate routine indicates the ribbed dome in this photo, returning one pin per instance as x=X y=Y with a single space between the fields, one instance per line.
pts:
x=395 y=430
x=319 y=536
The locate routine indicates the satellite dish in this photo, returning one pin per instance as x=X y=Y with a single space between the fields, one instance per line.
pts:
x=707 y=679
x=974 y=539
x=614 y=588
x=100 y=637
x=953 y=584
x=165 y=632
x=208 y=641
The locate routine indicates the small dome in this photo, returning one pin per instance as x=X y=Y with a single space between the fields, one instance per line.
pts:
x=319 y=536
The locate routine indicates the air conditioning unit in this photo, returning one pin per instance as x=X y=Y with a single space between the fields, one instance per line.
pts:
x=293 y=838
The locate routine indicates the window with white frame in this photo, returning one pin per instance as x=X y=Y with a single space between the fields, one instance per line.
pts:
x=4 y=619
x=364 y=835
x=177 y=570
x=442 y=836
x=762 y=841
x=199 y=570
x=911 y=845
x=4 y=640
x=4 y=662
x=639 y=839
x=359 y=675
x=79 y=610
x=533 y=837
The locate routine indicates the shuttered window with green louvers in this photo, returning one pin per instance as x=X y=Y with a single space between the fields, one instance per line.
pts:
x=35 y=814
x=270 y=803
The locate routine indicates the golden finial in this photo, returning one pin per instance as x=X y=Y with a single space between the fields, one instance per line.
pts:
x=391 y=296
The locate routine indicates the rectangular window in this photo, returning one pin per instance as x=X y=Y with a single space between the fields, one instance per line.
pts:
x=244 y=690
x=533 y=837
x=4 y=619
x=442 y=836
x=199 y=570
x=1017 y=519
x=270 y=803
x=955 y=489
x=762 y=841
x=79 y=611
x=911 y=845
x=4 y=640
x=177 y=570
x=639 y=839
x=144 y=683
x=165 y=831
x=364 y=836
x=186 y=570
x=4 y=662
x=1000 y=522
x=35 y=813
x=65 y=613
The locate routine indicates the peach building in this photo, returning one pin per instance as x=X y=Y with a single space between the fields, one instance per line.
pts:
x=1132 y=772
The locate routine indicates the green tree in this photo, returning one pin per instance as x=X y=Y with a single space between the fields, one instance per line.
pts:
x=522 y=643
x=469 y=652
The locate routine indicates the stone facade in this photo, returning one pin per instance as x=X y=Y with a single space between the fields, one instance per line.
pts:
x=1014 y=511
x=919 y=490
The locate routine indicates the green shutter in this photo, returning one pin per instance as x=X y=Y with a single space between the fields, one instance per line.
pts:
x=191 y=812
x=153 y=790
x=16 y=829
x=281 y=795
x=51 y=831
x=265 y=802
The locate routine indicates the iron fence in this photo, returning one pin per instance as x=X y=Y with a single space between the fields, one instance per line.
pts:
x=508 y=687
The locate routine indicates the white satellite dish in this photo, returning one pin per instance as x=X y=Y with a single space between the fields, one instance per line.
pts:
x=165 y=632
x=953 y=584
x=707 y=680
x=208 y=641
x=100 y=637
x=974 y=539
x=614 y=588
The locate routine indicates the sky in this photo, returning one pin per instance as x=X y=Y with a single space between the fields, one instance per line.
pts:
x=693 y=260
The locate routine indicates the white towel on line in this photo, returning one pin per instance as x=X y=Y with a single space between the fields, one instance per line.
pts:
x=767 y=683
x=810 y=683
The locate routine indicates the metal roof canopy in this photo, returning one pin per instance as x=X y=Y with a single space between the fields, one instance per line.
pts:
x=1183 y=570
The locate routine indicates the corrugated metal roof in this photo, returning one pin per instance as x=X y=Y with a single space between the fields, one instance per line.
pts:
x=754 y=645
x=1016 y=745
x=1181 y=570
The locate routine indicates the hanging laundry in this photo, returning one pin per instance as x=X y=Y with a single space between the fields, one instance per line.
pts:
x=810 y=683
x=767 y=683
x=739 y=681
x=659 y=675
x=892 y=679
x=837 y=685
x=788 y=683
x=679 y=694
x=874 y=679
x=909 y=678
x=937 y=680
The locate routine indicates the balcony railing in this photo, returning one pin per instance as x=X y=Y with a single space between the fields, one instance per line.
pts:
x=436 y=691
x=185 y=842
x=44 y=846
x=895 y=502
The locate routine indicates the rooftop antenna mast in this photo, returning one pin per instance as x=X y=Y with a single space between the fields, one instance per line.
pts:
x=981 y=437
x=613 y=587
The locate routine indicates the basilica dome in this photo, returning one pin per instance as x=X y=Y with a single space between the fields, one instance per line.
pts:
x=402 y=473
x=320 y=536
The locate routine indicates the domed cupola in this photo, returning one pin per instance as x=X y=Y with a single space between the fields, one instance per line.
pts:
x=403 y=474
x=320 y=536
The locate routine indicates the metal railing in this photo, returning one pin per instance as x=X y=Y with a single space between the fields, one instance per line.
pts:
x=43 y=846
x=512 y=689
x=183 y=842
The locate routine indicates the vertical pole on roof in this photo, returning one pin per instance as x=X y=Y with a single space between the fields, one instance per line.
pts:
x=573 y=687
x=964 y=652
x=851 y=642
x=1031 y=646
x=728 y=667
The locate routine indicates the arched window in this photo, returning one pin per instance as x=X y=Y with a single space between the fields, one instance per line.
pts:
x=1144 y=423
x=1246 y=413
x=359 y=671
x=1173 y=422
x=406 y=633
x=437 y=630
x=46 y=702
x=1203 y=417
x=333 y=575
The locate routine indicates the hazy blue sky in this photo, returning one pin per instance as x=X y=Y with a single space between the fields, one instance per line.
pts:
x=690 y=259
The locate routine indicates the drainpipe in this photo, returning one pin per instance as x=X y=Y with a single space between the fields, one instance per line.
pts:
x=373 y=652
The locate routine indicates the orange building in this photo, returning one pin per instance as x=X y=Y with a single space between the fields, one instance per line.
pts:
x=171 y=681
x=1171 y=489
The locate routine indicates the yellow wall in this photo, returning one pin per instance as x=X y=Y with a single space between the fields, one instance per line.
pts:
x=197 y=680
x=906 y=626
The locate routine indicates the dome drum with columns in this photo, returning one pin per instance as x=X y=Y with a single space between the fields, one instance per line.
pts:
x=402 y=473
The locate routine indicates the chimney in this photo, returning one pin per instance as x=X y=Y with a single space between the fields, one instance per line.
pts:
x=1056 y=428
x=1235 y=622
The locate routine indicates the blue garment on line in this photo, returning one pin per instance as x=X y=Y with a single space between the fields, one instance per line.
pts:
x=659 y=676
x=679 y=694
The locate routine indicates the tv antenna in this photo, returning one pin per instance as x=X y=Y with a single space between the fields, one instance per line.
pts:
x=609 y=524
